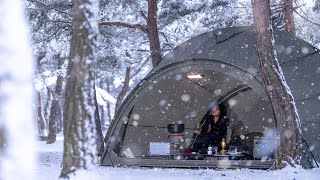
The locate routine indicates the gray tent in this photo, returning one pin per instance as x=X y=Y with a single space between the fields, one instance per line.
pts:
x=226 y=60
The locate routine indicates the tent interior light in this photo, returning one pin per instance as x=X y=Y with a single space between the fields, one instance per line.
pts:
x=195 y=76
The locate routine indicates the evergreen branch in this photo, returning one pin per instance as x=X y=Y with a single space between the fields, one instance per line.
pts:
x=48 y=7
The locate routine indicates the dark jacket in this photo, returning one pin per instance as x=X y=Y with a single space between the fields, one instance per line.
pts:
x=211 y=133
x=214 y=132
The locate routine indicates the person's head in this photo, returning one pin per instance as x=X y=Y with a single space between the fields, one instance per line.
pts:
x=219 y=109
x=215 y=111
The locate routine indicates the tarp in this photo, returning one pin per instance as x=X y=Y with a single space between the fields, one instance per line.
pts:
x=226 y=58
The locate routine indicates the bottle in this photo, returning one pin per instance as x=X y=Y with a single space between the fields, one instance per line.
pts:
x=209 y=150
x=197 y=126
x=223 y=145
x=216 y=150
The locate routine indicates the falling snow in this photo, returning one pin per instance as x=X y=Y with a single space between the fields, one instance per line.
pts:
x=185 y=97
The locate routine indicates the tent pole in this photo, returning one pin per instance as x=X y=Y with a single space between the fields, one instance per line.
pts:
x=303 y=140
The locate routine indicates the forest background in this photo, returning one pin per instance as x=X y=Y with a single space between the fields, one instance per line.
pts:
x=130 y=42
x=124 y=56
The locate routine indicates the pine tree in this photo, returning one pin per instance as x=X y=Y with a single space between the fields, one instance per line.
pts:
x=282 y=101
x=79 y=109
x=55 y=112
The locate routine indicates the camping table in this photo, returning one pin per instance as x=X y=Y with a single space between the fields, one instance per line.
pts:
x=220 y=157
x=211 y=157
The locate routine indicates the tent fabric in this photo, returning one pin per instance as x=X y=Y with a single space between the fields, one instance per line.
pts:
x=226 y=58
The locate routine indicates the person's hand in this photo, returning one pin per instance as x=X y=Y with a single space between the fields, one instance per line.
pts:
x=197 y=131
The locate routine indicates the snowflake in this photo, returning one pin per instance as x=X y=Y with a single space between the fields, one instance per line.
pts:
x=185 y=97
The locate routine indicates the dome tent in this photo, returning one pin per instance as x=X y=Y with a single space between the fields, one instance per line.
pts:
x=226 y=60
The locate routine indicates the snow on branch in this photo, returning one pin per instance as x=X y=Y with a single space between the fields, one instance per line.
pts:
x=103 y=97
x=305 y=18
x=123 y=24
x=49 y=7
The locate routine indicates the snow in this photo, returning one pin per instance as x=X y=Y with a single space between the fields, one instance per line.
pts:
x=50 y=158
x=16 y=94
x=18 y=162
x=103 y=97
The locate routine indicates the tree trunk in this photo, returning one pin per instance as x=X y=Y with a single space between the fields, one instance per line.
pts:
x=151 y=30
x=40 y=118
x=288 y=17
x=102 y=109
x=79 y=109
x=316 y=6
x=153 y=34
x=55 y=112
x=124 y=89
x=108 y=103
x=99 y=135
x=102 y=116
x=60 y=120
x=285 y=114
x=47 y=106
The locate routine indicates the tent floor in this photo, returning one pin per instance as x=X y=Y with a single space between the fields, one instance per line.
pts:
x=215 y=164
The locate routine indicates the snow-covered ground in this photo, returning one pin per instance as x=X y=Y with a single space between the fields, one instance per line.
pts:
x=50 y=158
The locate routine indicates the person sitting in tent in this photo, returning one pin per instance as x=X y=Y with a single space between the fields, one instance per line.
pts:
x=213 y=128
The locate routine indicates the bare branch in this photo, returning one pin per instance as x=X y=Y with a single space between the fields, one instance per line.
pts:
x=280 y=6
x=139 y=69
x=310 y=21
x=167 y=45
x=165 y=50
x=143 y=15
x=123 y=24
x=167 y=40
x=143 y=50
x=54 y=34
x=297 y=7
x=60 y=21
x=165 y=37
